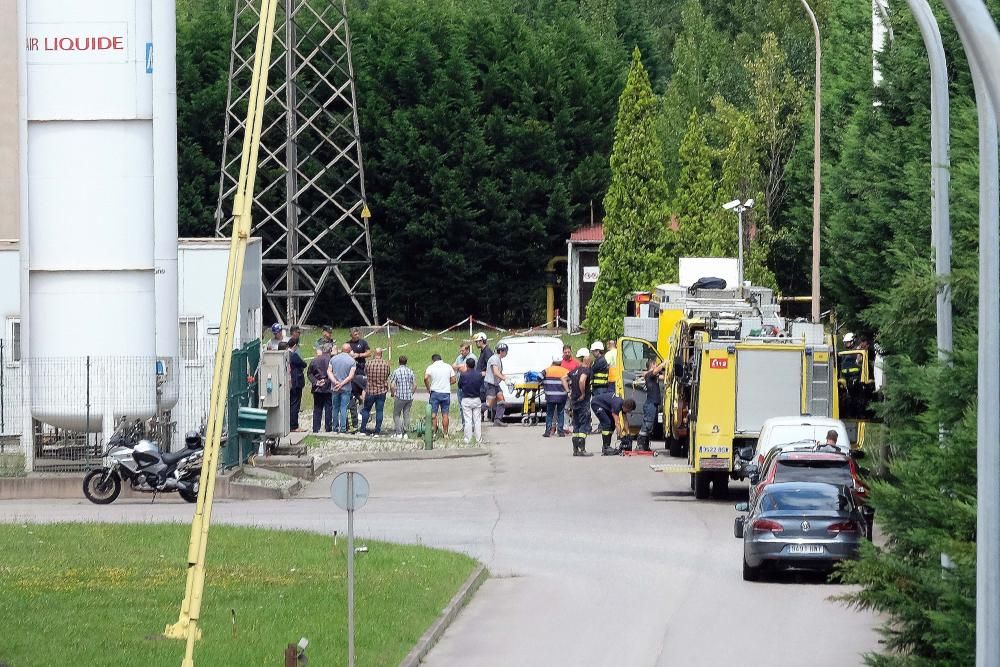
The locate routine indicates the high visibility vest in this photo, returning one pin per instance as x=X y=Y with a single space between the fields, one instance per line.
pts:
x=601 y=373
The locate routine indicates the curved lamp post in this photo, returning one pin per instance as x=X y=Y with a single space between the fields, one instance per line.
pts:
x=816 y=167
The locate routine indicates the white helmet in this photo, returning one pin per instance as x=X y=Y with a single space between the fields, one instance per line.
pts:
x=848 y=338
x=582 y=352
x=479 y=336
x=597 y=346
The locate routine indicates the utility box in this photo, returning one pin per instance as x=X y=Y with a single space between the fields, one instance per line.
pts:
x=275 y=383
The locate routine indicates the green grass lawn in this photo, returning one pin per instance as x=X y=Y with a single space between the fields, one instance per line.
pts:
x=101 y=594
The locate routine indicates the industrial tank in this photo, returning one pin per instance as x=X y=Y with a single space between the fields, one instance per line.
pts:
x=99 y=229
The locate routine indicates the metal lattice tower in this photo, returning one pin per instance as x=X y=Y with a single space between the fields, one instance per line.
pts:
x=309 y=205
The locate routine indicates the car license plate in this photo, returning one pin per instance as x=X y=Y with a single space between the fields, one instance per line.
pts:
x=805 y=549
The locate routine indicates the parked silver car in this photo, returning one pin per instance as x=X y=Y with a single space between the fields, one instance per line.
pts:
x=809 y=525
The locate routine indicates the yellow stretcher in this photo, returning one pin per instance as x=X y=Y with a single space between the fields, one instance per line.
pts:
x=528 y=392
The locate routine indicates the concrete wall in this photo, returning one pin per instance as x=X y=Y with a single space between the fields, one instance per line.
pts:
x=9 y=50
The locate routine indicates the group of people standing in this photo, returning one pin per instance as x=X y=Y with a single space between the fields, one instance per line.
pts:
x=586 y=385
x=575 y=387
x=355 y=378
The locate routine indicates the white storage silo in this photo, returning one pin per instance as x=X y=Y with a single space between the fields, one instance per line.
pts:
x=100 y=213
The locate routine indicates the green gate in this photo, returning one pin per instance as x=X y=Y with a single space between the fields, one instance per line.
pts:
x=242 y=393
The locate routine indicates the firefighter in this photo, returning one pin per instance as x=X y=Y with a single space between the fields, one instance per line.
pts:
x=654 y=397
x=601 y=380
x=579 y=385
x=612 y=414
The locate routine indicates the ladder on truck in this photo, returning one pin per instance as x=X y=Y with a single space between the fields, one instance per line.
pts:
x=679 y=467
x=819 y=398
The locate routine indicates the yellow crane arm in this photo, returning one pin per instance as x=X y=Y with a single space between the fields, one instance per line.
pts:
x=186 y=626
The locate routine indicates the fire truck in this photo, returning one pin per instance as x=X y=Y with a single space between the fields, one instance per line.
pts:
x=732 y=362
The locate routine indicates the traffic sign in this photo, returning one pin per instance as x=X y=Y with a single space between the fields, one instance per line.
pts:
x=340 y=491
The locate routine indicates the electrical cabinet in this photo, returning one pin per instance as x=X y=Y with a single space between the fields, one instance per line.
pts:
x=275 y=383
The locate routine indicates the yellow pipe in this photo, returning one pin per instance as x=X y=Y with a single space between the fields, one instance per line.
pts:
x=187 y=624
x=550 y=291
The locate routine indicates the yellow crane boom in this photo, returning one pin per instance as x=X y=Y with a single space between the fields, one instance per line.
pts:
x=186 y=626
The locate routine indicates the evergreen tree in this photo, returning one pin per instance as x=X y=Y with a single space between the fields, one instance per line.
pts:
x=204 y=30
x=630 y=258
x=704 y=229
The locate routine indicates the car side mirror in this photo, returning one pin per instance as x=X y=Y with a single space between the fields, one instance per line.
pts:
x=746 y=453
x=742 y=507
x=738 y=527
x=857 y=454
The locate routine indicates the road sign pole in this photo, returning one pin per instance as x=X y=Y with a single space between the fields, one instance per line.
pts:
x=350 y=569
x=349 y=491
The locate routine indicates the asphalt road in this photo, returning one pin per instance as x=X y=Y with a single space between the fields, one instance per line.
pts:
x=595 y=561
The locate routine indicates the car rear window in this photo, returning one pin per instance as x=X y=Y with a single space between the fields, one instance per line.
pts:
x=795 y=432
x=814 y=498
x=831 y=472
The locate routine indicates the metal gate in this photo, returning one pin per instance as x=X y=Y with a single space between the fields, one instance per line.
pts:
x=242 y=393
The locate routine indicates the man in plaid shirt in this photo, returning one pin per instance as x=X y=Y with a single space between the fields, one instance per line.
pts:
x=377 y=369
x=402 y=382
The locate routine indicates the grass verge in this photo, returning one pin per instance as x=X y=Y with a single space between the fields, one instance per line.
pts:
x=100 y=594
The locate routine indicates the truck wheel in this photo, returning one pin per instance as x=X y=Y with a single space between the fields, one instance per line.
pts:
x=701 y=485
x=677 y=447
x=720 y=487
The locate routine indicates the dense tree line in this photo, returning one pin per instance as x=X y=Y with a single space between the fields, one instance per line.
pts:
x=882 y=279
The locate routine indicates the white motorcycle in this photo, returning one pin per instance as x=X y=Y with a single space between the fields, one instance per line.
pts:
x=147 y=470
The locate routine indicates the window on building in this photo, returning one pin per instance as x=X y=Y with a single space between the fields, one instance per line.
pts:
x=187 y=337
x=12 y=348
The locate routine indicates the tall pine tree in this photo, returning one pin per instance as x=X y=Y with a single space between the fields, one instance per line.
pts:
x=635 y=207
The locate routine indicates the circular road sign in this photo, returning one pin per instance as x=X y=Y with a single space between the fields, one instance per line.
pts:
x=339 y=491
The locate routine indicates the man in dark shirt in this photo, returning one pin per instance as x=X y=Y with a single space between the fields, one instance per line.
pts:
x=654 y=398
x=297 y=368
x=360 y=350
x=322 y=389
x=600 y=371
x=579 y=385
x=611 y=411
x=470 y=384
x=484 y=353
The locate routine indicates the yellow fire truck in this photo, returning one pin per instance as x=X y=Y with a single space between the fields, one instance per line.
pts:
x=733 y=362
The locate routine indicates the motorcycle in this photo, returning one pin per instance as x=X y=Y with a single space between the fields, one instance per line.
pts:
x=147 y=470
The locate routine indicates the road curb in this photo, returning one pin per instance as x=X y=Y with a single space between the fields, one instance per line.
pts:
x=450 y=613
x=322 y=465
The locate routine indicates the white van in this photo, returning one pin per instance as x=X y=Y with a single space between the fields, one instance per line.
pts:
x=526 y=353
x=786 y=430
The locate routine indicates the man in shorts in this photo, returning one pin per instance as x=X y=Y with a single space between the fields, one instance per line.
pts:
x=494 y=390
x=438 y=379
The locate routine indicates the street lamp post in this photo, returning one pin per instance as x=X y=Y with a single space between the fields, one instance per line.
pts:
x=740 y=207
x=816 y=167
x=981 y=42
x=940 y=169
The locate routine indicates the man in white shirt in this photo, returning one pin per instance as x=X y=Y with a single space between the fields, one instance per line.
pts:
x=438 y=379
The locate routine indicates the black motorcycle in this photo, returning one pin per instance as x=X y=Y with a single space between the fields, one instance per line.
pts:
x=147 y=469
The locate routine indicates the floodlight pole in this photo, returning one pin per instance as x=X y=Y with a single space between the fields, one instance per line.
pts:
x=816 y=167
x=739 y=214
